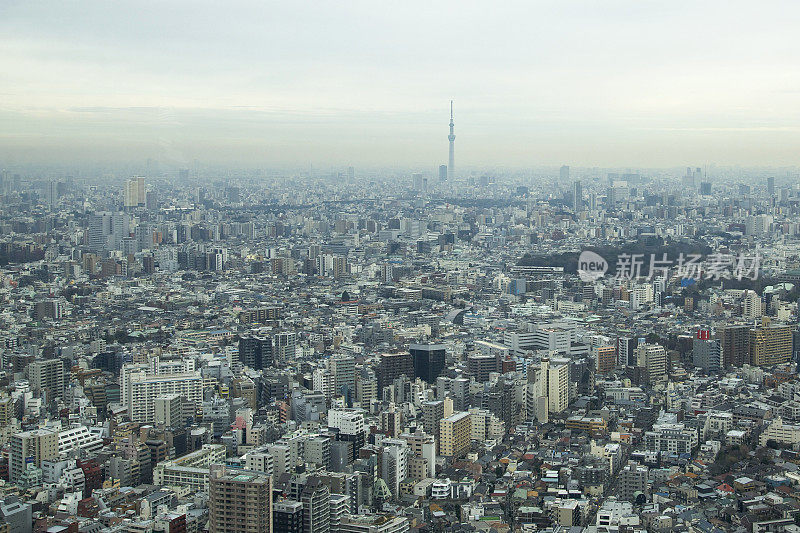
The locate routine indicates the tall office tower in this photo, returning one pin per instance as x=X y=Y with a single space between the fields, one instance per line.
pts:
x=350 y=425
x=394 y=464
x=131 y=193
x=141 y=192
x=432 y=413
x=563 y=174
x=287 y=517
x=343 y=368
x=770 y=344
x=625 y=351
x=504 y=400
x=391 y=421
x=37 y=445
x=239 y=503
x=454 y=434
x=120 y=228
x=752 y=305
x=577 y=196
x=392 y=366
x=442 y=173
x=653 y=357
x=771 y=186
x=99 y=230
x=255 y=351
x=416 y=181
x=366 y=386
x=428 y=360
x=51 y=193
x=481 y=365
x=144 y=237
x=315 y=498
x=688 y=180
x=735 y=344
x=284 y=346
x=47 y=375
x=706 y=352
x=451 y=161
x=705 y=188
x=553 y=384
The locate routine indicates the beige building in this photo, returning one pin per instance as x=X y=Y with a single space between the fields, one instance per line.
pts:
x=454 y=434
x=239 y=503
x=770 y=344
x=781 y=433
x=31 y=446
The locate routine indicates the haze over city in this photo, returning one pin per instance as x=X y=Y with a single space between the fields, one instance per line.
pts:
x=369 y=267
x=609 y=84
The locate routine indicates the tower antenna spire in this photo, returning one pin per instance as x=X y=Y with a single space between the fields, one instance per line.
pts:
x=451 y=162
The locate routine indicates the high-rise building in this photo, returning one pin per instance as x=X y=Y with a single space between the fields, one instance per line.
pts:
x=577 y=195
x=135 y=193
x=350 y=427
x=287 y=516
x=550 y=387
x=391 y=421
x=428 y=361
x=606 y=357
x=563 y=174
x=31 y=447
x=632 y=481
x=752 y=306
x=706 y=352
x=394 y=464
x=143 y=383
x=770 y=344
x=454 y=435
x=652 y=357
x=771 y=186
x=284 y=346
x=421 y=446
x=451 y=162
x=343 y=370
x=239 y=502
x=99 y=231
x=366 y=386
x=315 y=498
x=442 y=173
x=432 y=412
x=169 y=410
x=416 y=181
x=392 y=366
x=47 y=375
x=255 y=351
x=735 y=344
x=625 y=351
x=481 y=365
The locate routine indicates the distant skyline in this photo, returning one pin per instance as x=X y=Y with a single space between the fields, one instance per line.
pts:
x=607 y=84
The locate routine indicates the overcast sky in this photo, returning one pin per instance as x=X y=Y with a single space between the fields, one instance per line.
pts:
x=605 y=83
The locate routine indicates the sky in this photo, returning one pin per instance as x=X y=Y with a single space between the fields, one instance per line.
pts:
x=601 y=83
